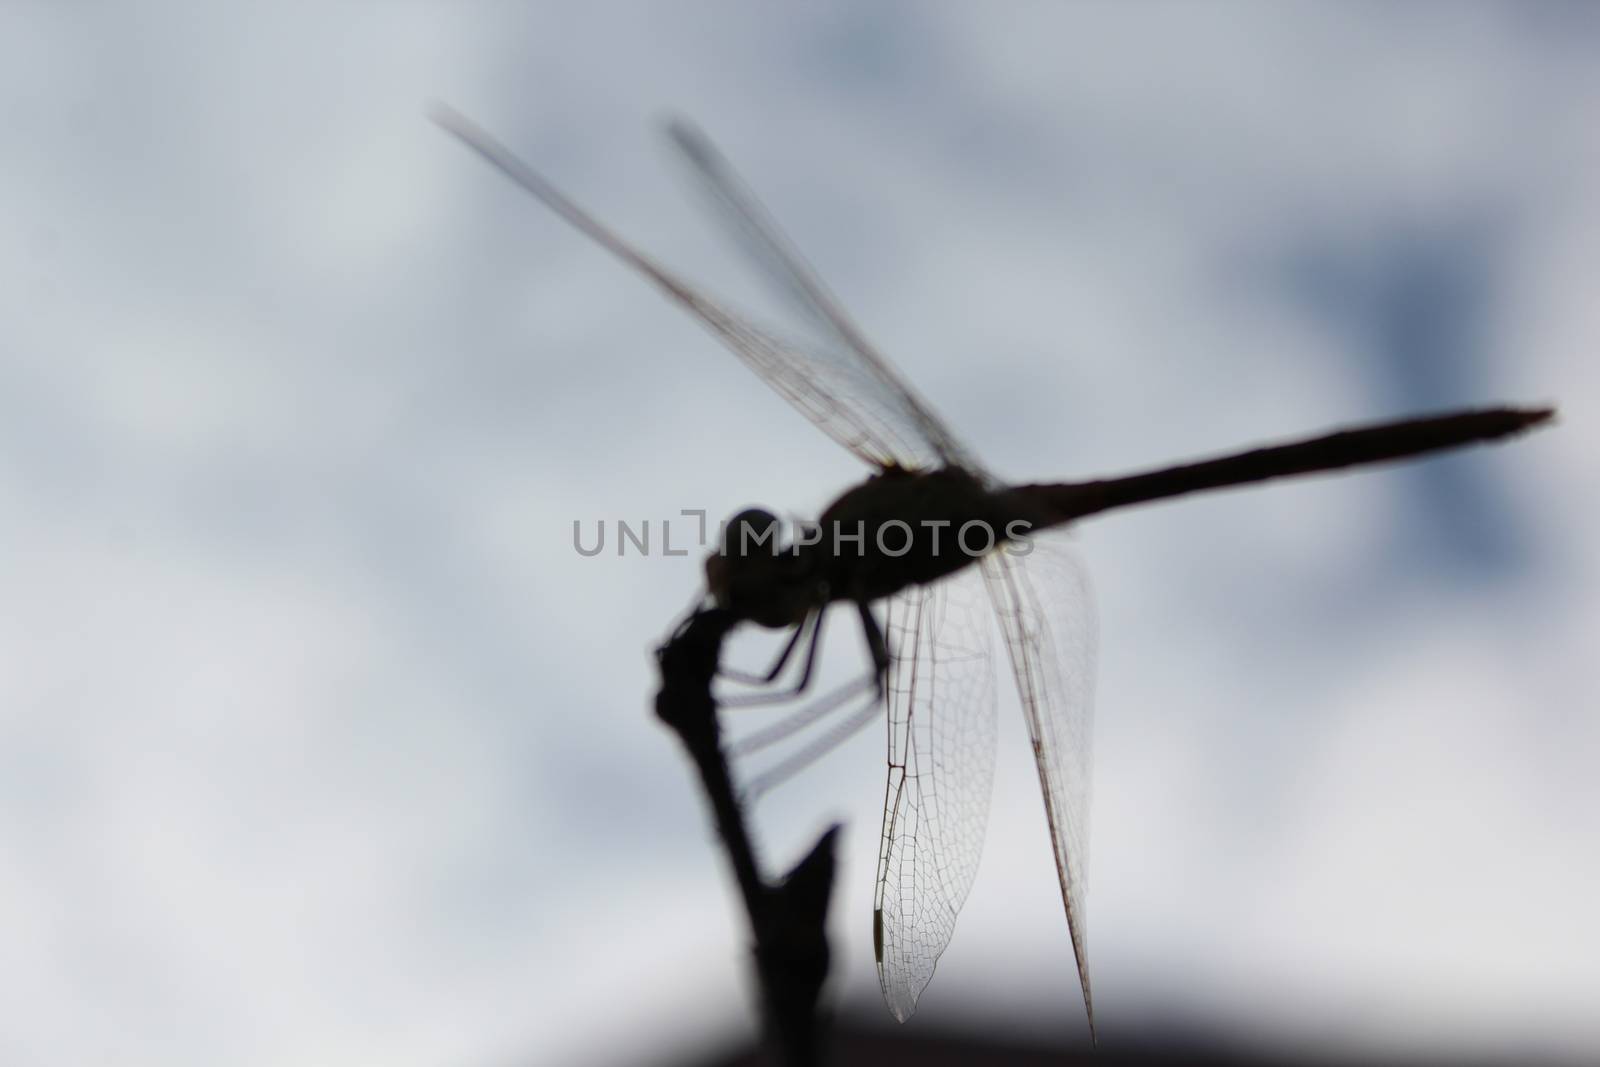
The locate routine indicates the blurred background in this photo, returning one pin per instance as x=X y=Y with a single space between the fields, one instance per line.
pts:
x=319 y=743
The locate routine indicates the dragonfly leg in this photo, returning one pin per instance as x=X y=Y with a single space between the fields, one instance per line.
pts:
x=771 y=673
x=813 y=623
x=875 y=644
x=811 y=652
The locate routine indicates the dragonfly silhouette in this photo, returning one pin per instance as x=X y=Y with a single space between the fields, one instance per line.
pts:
x=906 y=534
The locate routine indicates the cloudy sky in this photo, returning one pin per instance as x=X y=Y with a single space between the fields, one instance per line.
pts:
x=318 y=741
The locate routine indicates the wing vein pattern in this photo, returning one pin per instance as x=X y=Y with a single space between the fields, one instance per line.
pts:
x=941 y=772
x=1046 y=613
x=839 y=344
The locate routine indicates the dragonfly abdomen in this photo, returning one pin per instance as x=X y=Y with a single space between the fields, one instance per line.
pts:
x=1379 y=443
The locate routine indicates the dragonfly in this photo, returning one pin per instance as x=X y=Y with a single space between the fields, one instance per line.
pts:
x=905 y=535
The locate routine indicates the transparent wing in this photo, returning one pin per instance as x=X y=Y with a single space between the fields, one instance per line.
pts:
x=845 y=401
x=840 y=344
x=1046 y=612
x=847 y=398
x=941 y=770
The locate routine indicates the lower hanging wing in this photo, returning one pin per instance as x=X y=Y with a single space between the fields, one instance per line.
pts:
x=941 y=773
x=1046 y=613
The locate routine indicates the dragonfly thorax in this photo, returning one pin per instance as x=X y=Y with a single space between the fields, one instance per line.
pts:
x=901 y=528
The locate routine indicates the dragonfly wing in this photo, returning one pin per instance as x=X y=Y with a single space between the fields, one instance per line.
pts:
x=1046 y=613
x=845 y=400
x=839 y=399
x=840 y=343
x=941 y=770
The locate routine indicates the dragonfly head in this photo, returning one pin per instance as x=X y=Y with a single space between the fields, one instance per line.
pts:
x=754 y=575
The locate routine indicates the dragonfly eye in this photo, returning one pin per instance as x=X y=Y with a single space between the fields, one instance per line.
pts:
x=754 y=531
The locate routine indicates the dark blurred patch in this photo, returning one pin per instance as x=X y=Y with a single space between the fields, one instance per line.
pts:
x=1570 y=24
x=864 y=48
x=859 y=1042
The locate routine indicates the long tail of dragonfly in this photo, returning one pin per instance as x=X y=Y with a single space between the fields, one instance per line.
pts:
x=1345 y=448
